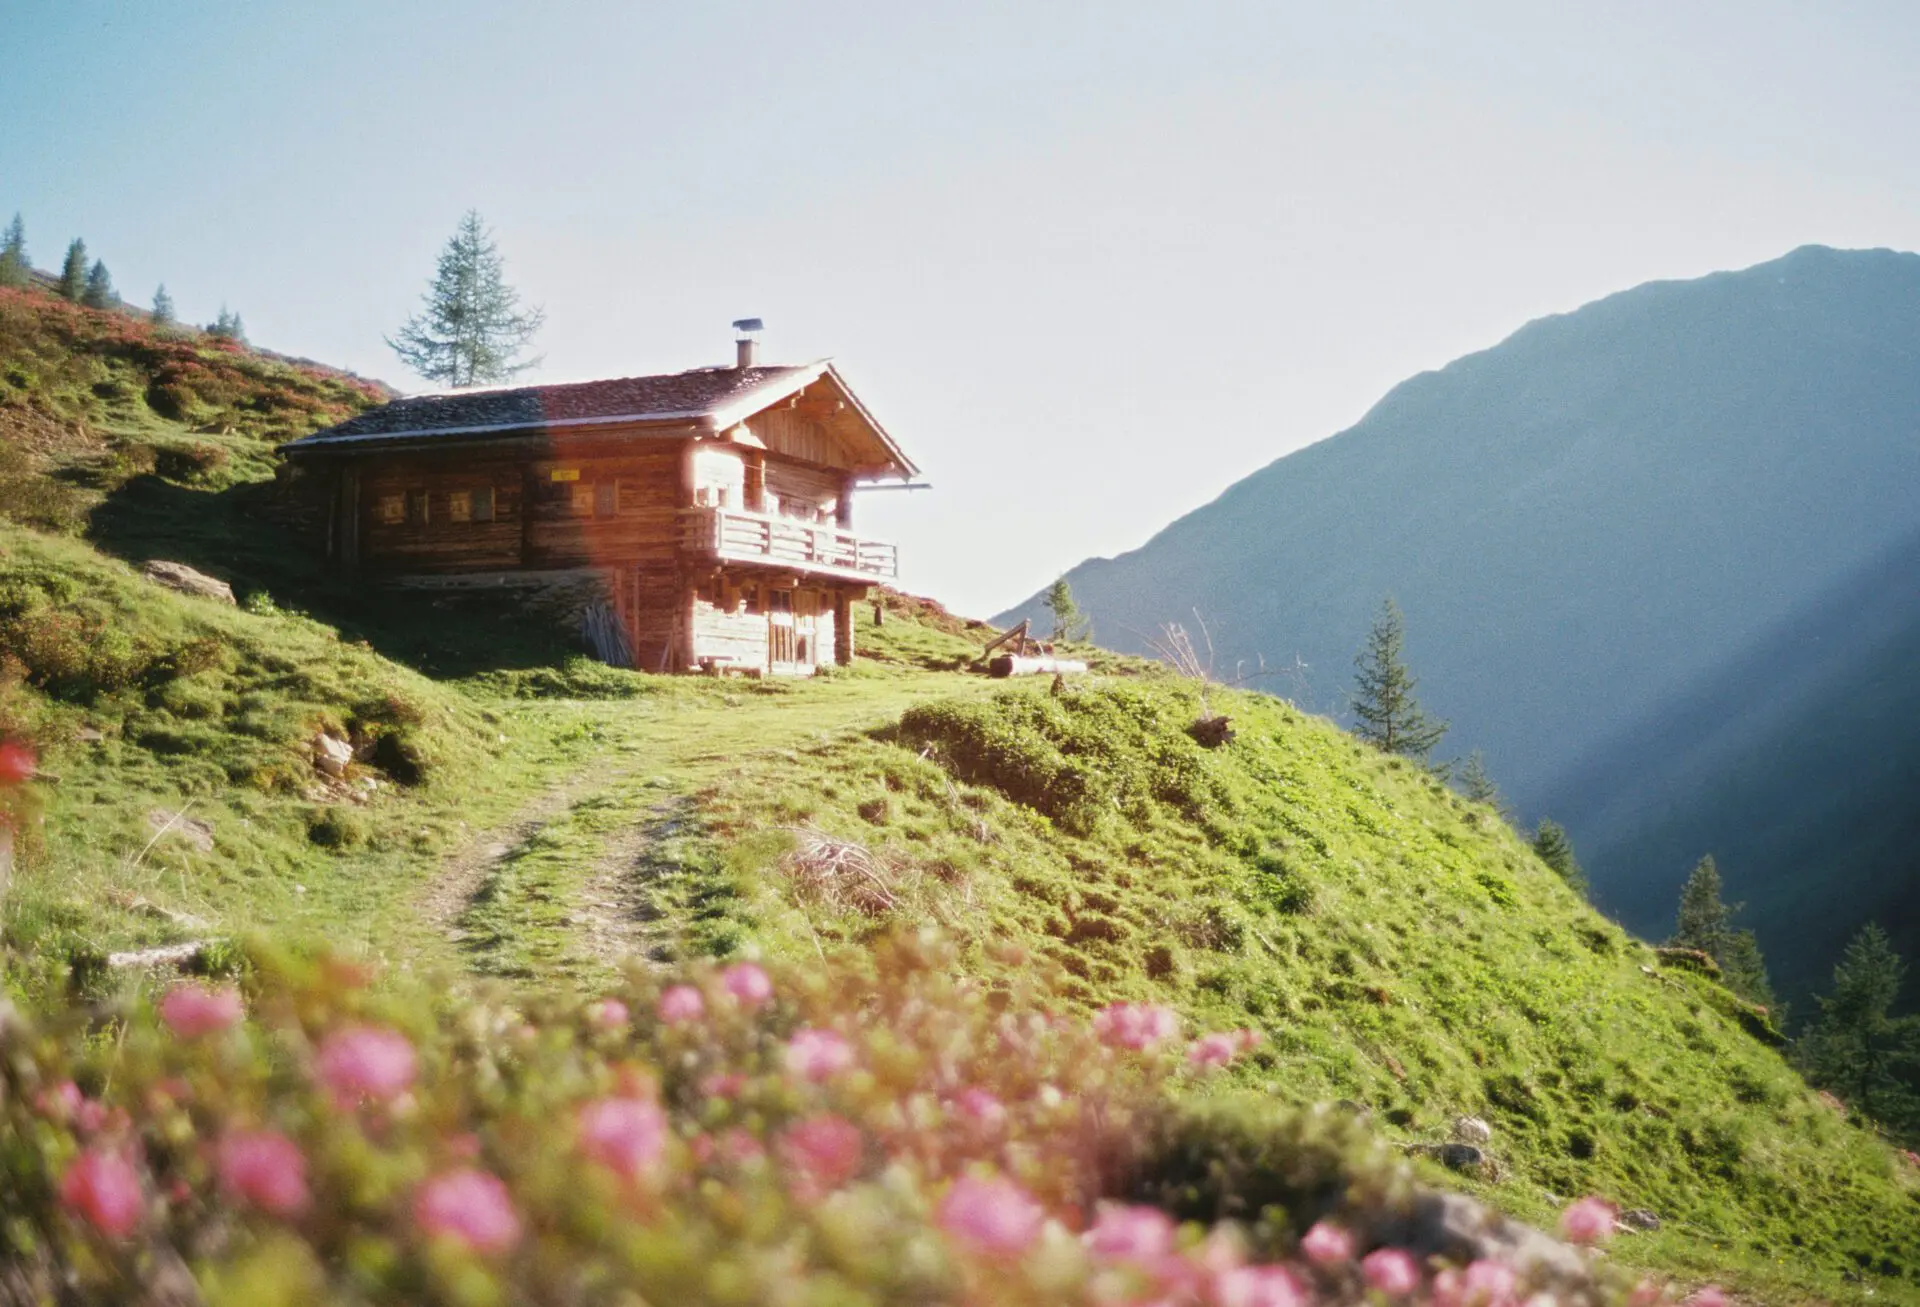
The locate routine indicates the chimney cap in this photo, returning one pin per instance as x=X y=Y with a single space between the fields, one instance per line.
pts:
x=748 y=325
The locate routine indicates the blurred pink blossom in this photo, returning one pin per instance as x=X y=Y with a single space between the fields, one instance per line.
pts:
x=1483 y=1284
x=1392 y=1271
x=818 y=1054
x=1219 y=1048
x=1707 y=1296
x=1587 y=1221
x=748 y=983
x=1130 y=1234
x=608 y=1013
x=680 y=1004
x=367 y=1062
x=1139 y=1026
x=102 y=1186
x=61 y=1102
x=191 y=1011
x=824 y=1151
x=981 y=1108
x=1327 y=1245
x=1259 y=1286
x=470 y=1206
x=267 y=1169
x=995 y=1217
x=628 y=1136
x=727 y=1084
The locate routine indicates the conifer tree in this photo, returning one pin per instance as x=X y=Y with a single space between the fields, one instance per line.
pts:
x=73 y=273
x=1390 y=716
x=163 y=307
x=1856 y=1047
x=228 y=326
x=14 y=268
x=471 y=329
x=1705 y=922
x=1070 y=621
x=1555 y=848
x=99 y=290
x=1471 y=778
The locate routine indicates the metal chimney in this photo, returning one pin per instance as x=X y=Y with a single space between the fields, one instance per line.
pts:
x=746 y=350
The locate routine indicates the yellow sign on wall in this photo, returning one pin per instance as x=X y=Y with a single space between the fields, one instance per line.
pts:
x=566 y=474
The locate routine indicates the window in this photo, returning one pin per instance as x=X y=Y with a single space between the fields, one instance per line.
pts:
x=459 y=506
x=416 y=508
x=483 y=504
x=393 y=510
x=580 y=499
x=606 y=498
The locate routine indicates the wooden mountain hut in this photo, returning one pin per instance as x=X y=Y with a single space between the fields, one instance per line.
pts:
x=711 y=509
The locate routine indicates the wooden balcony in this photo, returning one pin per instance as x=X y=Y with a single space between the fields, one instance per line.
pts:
x=733 y=535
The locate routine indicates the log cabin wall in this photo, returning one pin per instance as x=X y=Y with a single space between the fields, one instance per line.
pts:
x=603 y=510
x=808 y=493
x=787 y=432
x=435 y=515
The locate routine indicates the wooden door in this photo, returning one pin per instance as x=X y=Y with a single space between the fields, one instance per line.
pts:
x=781 y=652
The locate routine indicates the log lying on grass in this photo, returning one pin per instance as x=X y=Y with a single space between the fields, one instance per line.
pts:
x=1019 y=665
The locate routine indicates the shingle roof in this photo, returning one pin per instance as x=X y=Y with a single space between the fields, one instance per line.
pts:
x=703 y=394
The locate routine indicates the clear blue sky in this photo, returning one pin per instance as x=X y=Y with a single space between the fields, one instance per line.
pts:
x=1090 y=262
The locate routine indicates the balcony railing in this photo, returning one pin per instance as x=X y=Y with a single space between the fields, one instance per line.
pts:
x=737 y=536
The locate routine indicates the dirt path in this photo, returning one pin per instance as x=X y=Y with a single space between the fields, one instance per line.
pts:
x=623 y=910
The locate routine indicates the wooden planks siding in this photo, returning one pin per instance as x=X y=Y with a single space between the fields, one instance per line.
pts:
x=429 y=541
x=563 y=529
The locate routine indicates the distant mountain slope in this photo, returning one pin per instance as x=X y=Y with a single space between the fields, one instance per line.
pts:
x=1588 y=526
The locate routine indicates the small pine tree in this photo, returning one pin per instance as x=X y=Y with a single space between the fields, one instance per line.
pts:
x=1383 y=699
x=1704 y=920
x=228 y=326
x=99 y=292
x=1856 y=1047
x=73 y=273
x=163 y=307
x=471 y=329
x=1555 y=848
x=1070 y=621
x=14 y=268
x=1471 y=779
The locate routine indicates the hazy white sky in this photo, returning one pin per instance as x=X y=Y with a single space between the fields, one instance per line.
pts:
x=1090 y=262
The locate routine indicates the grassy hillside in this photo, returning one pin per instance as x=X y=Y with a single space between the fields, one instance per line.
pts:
x=1596 y=528
x=516 y=814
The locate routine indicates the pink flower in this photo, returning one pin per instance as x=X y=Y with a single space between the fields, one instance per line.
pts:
x=1130 y=1234
x=726 y=1084
x=1487 y=1284
x=367 y=1062
x=265 y=1168
x=62 y=1102
x=469 y=1206
x=980 y=1108
x=1138 y=1026
x=994 y=1217
x=1707 y=1296
x=1327 y=1245
x=17 y=762
x=608 y=1014
x=1391 y=1271
x=102 y=1187
x=747 y=983
x=1258 y=1286
x=1219 y=1048
x=191 y=1011
x=1588 y=1221
x=818 y=1054
x=679 y=1005
x=626 y=1135
x=824 y=1152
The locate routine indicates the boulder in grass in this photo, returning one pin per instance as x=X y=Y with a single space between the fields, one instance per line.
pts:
x=331 y=754
x=187 y=580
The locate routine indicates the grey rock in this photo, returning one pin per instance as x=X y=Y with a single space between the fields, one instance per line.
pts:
x=1462 y=1230
x=178 y=576
x=1637 y=1218
x=1471 y=1130
x=1461 y=1157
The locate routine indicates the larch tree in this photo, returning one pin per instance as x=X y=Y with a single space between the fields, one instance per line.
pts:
x=14 y=268
x=228 y=325
x=1383 y=696
x=73 y=272
x=1856 y=1047
x=99 y=289
x=471 y=329
x=1070 y=621
x=1554 y=846
x=1471 y=778
x=163 y=315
